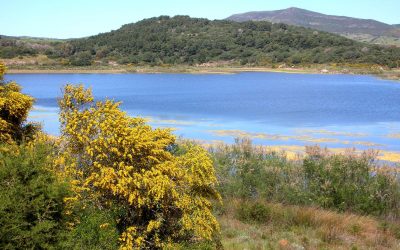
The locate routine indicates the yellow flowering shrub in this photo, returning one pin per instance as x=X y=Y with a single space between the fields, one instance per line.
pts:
x=116 y=160
x=2 y=70
x=14 y=108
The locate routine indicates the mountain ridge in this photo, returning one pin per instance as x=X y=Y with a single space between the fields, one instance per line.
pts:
x=343 y=25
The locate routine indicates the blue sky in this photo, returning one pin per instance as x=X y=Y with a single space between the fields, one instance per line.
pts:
x=79 y=18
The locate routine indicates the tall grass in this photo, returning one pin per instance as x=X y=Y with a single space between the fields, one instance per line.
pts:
x=345 y=182
x=278 y=226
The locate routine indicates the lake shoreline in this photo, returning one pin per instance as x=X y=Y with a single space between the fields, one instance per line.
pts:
x=159 y=70
x=384 y=74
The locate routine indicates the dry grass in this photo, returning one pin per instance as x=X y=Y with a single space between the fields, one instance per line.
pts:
x=295 y=227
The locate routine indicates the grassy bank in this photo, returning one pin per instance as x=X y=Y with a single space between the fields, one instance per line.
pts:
x=324 y=200
x=278 y=226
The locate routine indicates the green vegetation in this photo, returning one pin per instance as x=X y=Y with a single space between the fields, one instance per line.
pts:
x=32 y=205
x=11 y=47
x=342 y=182
x=127 y=184
x=182 y=40
x=324 y=201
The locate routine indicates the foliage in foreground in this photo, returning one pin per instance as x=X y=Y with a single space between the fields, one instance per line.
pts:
x=116 y=162
x=128 y=185
x=32 y=205
x=347 y=182
x=31 y=197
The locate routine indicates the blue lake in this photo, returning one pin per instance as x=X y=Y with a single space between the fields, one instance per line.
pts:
x=271 y=108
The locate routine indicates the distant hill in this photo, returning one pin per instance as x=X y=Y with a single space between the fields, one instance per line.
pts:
x=32 y=39
x=356 y=28
x=13 y=46
x=183 y=40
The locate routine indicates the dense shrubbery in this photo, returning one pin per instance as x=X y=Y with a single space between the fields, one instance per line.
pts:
x=351 y=183
x=14 y=47
x=118 y=162
x=247 y=171
x=128 y=184
x=31 y=199
x=31 y=196
x=95 y=228
x=347 y=182
x=11 y=50
x=81 y=59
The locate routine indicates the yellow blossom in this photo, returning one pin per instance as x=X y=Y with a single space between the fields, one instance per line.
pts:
x=113 y=158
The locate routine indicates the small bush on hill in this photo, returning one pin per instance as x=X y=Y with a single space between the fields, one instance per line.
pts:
x=253 y=212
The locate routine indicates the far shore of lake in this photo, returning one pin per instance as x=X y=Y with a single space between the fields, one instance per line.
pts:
x=385 y=74
x=393 y=74
x=178 y=69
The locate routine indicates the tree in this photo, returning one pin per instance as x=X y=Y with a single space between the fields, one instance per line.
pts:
x=117 y=161
x=82 y=59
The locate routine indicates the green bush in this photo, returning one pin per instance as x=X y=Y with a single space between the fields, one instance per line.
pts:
x=247 y=171
x=96 y=229
x=350 y=183
x=81 y=59
x=31 y=207
x=251 y=211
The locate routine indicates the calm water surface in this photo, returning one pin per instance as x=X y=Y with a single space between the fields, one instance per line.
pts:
x=270 y=108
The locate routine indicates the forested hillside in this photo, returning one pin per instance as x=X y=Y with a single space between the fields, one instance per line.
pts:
x=190 y=40
x=184 y=40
